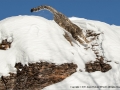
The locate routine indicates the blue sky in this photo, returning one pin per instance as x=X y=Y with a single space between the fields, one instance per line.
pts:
x=103 y=10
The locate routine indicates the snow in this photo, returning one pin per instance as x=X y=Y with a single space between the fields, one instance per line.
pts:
x=35 y=39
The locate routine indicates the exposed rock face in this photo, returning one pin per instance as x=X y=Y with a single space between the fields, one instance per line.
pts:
x=5 y=45
x=97 y=66
x=36 y=76
x=65 y=23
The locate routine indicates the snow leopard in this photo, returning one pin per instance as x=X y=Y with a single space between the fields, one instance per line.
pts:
x=64 y=22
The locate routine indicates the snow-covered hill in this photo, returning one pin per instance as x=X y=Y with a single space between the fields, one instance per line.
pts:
x=35 y=38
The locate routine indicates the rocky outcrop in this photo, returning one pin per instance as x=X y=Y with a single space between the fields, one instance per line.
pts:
x=36 y=76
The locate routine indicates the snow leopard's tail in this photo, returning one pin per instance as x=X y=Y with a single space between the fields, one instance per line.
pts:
x=52 y=10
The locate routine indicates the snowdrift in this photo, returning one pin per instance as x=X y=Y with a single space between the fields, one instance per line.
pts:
x=37 y=39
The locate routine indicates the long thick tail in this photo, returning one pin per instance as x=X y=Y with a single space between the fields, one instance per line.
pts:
x=52 y=10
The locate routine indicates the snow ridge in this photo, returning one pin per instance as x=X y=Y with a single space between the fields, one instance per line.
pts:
x=37 y=39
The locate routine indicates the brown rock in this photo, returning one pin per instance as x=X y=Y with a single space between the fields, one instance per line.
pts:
x=36 y=76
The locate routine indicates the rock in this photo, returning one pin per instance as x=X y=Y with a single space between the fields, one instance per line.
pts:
x=97 y=66
x=36 y=76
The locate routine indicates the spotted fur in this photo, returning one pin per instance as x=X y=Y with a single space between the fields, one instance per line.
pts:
x=64 y=22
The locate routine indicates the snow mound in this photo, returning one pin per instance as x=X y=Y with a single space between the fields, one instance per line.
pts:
x=37 y=39
x=33 y=39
